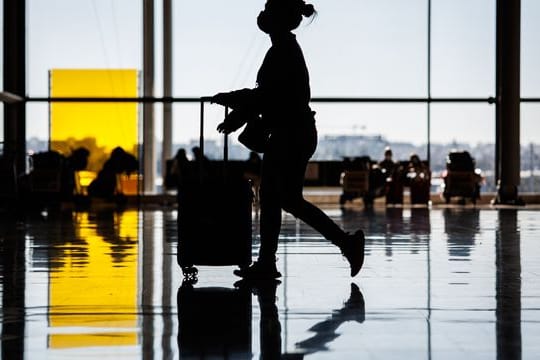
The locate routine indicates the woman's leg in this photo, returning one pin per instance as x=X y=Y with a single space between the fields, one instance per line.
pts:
x=270 y=223
x=351 y=246
x=270 y=218
x=282 y=181
x=290 y=198
x=292 y=190
x=292 y=201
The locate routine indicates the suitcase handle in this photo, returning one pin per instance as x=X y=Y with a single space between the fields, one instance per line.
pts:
x=201 y=142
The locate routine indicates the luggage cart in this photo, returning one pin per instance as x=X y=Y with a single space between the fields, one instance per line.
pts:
x=461 y=179
x=355 y=180
x=362 y=178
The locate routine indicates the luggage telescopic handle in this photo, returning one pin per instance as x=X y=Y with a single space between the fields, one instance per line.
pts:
x=201 y=132
x=201 y=142
x=226 y=141
x=225 y=150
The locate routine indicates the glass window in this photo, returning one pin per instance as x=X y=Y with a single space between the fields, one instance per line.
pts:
x=463 y=48
x=530 y=147
x=530 y=87
x=468 y=127
x=365 y=129
x=352 y=48
x=37 y=127
x=217 y=46
x=368 y=48
x=89 y=36
x=72 y=34
x=530 y=51
x=186 y=131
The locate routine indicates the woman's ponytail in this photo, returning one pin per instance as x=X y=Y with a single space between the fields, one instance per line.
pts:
x=308 y=10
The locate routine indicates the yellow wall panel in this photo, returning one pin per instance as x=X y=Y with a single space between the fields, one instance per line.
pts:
x=100 y=127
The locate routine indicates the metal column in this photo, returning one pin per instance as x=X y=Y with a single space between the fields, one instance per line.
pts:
x=508 y=101
x=149 y=147
x=15 y=82
x=429 y=12
x=167 y=86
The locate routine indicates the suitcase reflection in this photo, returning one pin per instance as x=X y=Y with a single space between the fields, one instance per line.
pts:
x=214 y=322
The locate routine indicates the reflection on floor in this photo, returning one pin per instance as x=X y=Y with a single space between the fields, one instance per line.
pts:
x=439 y=283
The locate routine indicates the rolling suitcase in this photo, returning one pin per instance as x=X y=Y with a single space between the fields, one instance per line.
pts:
x=214 y=215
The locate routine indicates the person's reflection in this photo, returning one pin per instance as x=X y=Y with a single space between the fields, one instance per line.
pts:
x=269 y=327
x=461 y=227
x=325 y=331
x=420 y=221
x=508 y=286
x=108 y=223
x=419 y=228
x=394 y=225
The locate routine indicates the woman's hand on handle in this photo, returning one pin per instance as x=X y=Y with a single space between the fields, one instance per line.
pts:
x=233 y=121
x=237 y=99
x=221 y=99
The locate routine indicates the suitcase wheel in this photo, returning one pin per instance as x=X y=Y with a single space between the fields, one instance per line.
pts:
x=190 y=274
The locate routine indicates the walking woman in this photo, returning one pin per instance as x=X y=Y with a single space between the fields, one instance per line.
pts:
x=282 y=99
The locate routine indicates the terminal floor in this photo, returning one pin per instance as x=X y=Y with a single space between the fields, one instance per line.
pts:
x=437 y=284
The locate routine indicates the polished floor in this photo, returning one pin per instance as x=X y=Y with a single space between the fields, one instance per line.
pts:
x=445 y=283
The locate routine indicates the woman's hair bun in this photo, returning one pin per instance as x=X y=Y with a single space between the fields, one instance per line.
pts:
x=308 y=10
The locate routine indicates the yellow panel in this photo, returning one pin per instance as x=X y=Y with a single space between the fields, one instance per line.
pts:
x=94 y=82
x=65 y=341
x=100 y=127
x=97 y=282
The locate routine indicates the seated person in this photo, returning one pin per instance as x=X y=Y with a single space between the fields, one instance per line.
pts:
x=393 y=172
x=179 y=166
x=387 y=165
x=76 y=161
x=417 y=168
x=105 y=184
x=419 y=180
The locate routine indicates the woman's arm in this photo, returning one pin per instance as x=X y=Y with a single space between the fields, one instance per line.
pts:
x=244 y=99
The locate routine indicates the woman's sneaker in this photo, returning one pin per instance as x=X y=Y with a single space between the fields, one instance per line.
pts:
x=353 y=249
x=259 y=270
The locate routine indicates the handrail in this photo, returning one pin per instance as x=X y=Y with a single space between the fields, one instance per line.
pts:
x=490 y=100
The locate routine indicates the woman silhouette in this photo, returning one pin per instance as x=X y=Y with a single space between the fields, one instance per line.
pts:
x=282 y=99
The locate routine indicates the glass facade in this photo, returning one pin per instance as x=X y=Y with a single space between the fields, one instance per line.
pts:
x=74 y=35
x=353 y=50
x=530 y=51
x=530 y=147
x=530 y=88
x=472 y=129
x=463 y=48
